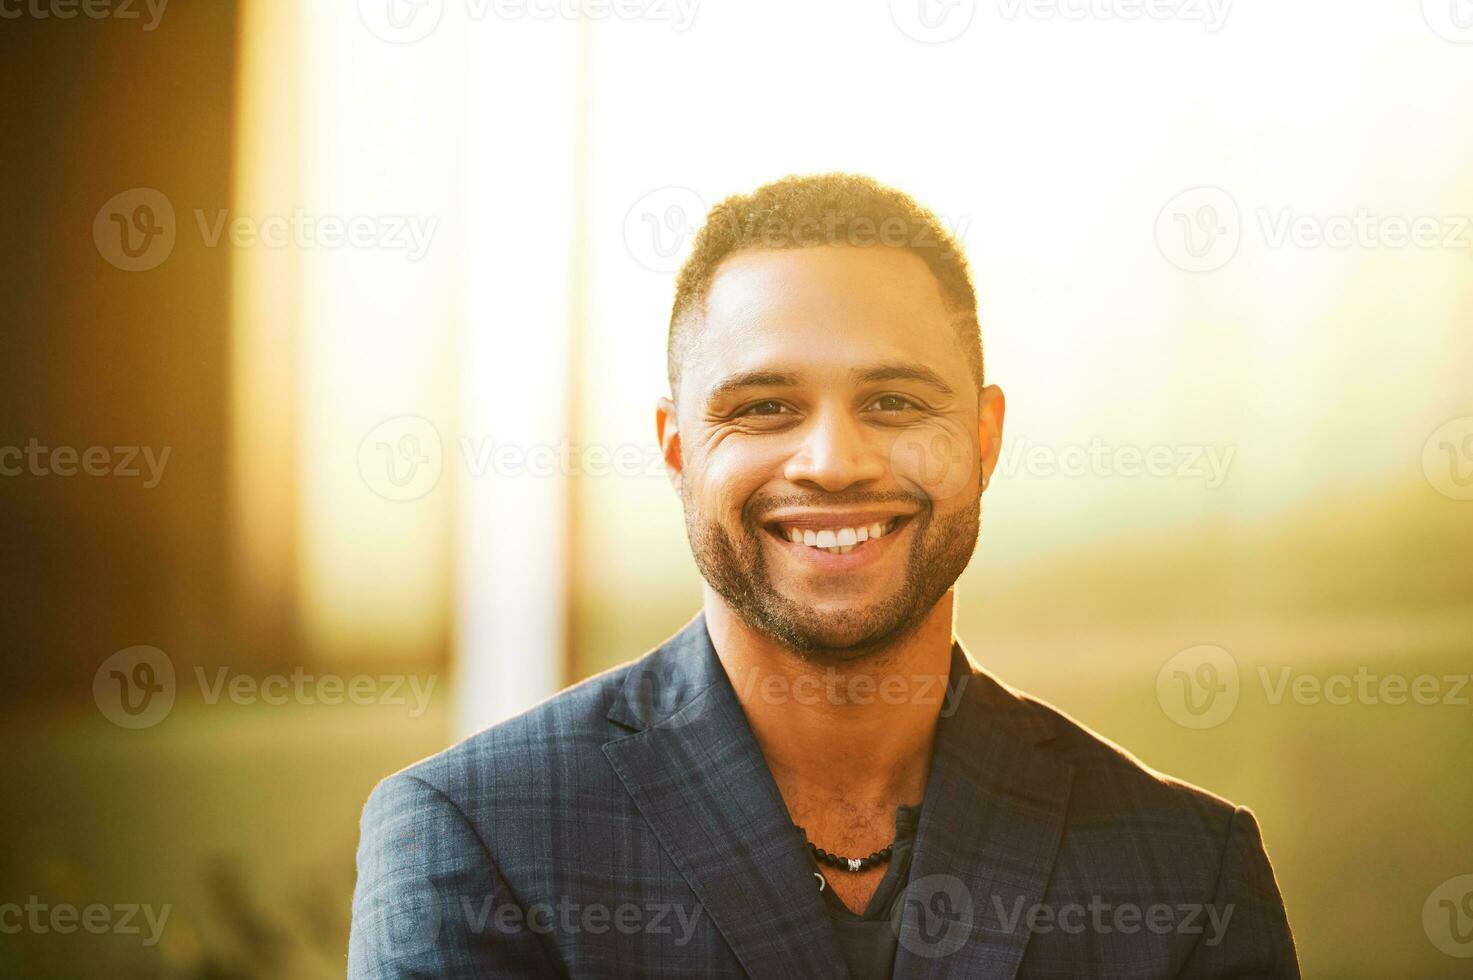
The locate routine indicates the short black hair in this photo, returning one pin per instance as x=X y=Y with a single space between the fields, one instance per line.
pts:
x=822 y=209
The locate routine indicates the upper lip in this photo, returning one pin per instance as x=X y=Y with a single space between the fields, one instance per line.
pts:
x=819 y=520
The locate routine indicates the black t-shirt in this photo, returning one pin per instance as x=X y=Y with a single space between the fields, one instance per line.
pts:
x=868 y=941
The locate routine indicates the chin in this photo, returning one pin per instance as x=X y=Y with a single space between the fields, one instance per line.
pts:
x=842 y=635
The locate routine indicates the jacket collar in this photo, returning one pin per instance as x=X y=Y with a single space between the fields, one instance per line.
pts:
x=990 y=821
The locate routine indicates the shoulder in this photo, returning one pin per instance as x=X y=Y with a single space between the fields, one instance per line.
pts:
x=1110 y=786
x=553 y=735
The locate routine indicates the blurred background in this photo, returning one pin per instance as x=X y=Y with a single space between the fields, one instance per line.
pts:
x=332 y=334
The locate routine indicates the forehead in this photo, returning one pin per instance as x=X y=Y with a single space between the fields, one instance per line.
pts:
x=822 y=310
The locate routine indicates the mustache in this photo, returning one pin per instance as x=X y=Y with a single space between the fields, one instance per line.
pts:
x=768 y=503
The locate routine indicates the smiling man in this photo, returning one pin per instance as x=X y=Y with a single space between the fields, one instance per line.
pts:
x=812 y=778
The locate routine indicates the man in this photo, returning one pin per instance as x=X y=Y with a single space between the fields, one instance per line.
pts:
x=811 y=779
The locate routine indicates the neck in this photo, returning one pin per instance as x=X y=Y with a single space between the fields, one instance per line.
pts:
x=859 y=731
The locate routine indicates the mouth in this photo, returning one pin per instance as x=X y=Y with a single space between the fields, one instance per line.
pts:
x=836 y=536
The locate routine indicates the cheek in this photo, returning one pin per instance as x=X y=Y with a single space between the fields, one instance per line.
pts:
x=732 y=473
x=939 y=460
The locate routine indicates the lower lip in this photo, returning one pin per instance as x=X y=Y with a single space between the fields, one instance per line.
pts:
x=867 y=553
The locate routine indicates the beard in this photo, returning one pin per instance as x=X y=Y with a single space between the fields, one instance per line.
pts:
x=736 y=566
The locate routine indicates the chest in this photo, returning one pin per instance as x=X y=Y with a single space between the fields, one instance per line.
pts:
x=854 y=889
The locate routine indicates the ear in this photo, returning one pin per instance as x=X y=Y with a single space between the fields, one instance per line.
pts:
x=667 y=431
x=991 y=407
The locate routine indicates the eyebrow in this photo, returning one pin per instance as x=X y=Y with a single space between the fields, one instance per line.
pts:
x=870 y=375
x=751 y=379
x=903 y=372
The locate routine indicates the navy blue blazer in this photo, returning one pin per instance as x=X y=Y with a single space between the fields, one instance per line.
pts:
x=630 y=827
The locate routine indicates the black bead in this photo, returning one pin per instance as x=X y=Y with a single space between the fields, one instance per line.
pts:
x=838 y=860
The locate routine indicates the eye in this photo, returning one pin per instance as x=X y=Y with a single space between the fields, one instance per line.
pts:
x=768 y=407
x=893 y=403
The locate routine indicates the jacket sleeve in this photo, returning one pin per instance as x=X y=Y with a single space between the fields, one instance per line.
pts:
x=429 y=900
x=1246 y=931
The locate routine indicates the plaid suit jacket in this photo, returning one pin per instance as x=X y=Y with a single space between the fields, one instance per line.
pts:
x=630 y=827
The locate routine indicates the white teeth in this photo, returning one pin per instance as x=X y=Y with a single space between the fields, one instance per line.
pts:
x=837 y=541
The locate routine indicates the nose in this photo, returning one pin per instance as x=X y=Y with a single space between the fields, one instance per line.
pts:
x=835 y=454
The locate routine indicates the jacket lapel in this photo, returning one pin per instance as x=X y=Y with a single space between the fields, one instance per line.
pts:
x=696 y=773
x=990 y=826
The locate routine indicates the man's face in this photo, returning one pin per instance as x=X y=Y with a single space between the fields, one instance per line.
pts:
x=829 y=445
